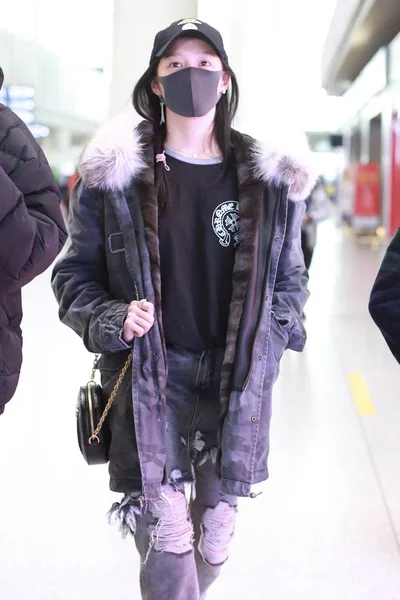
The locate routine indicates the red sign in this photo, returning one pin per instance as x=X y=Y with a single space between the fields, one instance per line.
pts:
x=395 y=195
x=367 y=202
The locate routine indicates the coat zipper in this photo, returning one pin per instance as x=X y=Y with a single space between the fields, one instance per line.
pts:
x=275 y=222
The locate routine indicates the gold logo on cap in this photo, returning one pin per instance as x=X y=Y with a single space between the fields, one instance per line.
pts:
x=188 y=21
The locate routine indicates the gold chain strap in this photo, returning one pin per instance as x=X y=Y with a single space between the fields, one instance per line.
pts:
x=94 y=438
x=94 y=368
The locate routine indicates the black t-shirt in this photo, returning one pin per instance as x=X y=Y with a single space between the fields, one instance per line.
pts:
x=198 y=235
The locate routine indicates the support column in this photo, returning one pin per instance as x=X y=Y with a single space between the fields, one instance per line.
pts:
x=135 y=25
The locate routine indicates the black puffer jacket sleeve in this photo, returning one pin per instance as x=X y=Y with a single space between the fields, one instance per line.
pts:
x=384 y=304
x=32 y=230
x=80 y=280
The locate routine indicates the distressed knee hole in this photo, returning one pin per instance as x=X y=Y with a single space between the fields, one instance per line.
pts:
x=172 y=530
x=217 y=530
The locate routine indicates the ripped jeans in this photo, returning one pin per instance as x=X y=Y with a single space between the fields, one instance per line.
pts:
x=183 y=544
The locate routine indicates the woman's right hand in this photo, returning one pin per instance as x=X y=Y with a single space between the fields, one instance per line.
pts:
x=139 y=320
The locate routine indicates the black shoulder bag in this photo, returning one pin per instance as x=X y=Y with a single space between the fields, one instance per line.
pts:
x=94 y=434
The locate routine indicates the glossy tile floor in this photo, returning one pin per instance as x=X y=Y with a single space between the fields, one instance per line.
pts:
x=327 y=526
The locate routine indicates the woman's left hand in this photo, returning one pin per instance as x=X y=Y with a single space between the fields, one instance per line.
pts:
x=139 y=320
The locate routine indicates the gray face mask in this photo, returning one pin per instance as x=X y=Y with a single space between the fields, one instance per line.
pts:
x=191 y=92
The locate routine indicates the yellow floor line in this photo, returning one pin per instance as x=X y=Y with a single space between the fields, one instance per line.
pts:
x=361 y=395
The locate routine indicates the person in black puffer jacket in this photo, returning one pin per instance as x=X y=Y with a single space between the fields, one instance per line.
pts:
x=384 y=303
x=32 y=233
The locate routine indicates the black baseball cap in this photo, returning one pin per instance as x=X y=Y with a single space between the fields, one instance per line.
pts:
x=184 y=27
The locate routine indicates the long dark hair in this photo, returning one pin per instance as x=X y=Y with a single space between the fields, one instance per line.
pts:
x=147 y=105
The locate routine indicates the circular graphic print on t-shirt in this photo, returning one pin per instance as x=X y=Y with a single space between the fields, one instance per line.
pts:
x=225 y=222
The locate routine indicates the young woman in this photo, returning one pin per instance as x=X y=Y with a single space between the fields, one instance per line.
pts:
x=206 y=223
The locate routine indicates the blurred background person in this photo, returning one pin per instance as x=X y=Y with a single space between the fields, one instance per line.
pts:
x=32 y=233
x=72 y=179
x=318 y=208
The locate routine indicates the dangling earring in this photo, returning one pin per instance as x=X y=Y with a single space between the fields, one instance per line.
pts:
x=162 y=106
